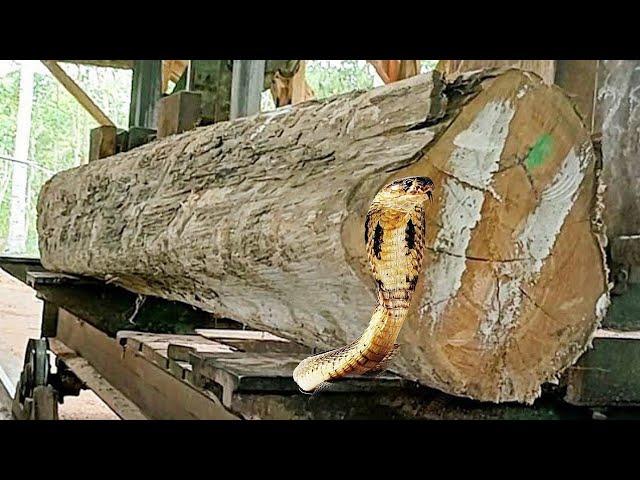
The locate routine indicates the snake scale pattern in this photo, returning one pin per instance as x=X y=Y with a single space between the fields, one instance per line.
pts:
x=394 y=238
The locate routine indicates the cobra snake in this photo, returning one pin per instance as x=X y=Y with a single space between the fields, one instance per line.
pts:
x=394 y=235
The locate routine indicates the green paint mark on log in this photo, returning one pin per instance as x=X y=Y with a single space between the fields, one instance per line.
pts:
x=539 y=152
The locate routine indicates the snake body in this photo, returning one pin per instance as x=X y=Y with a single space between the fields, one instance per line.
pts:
x=394 y=238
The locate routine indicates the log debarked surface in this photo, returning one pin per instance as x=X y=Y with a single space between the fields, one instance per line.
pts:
x=261 y=219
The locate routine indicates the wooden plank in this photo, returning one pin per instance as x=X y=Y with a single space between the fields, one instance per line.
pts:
x=74 y=89
x=178 y=113
x=132 y=337
x=227 y=334
x=272 y=372
x=618 y=334
x=158 y=394
x=246 y=87
x=121 y=405
x=19 y=267
x=179 y=369
x=111 y=309
x=102 y=142
x=253 y=341
x=180 y=351
x=121 y=64
x=395 y=70
x=157 y=353
x=37 y=278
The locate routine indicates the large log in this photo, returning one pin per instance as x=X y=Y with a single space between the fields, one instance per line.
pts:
x=261 y=219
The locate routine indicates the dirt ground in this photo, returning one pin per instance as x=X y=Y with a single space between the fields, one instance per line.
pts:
x=20 y=313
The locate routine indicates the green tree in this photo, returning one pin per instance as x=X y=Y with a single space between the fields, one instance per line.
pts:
x=59 y=131
x=333 y=77
x=8 y=112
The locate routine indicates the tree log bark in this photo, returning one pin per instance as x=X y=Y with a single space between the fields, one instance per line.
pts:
x=262 y=220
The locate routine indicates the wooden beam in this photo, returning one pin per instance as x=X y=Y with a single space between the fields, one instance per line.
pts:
x=74 y=89
x=158 y=394
x=172 y=70
x=246 y=87
x=395 y=70
x=300 y=89
x=102 y=142
x=121 y=64
x=146 y=86
x=115 y=400
x=379 y=65
x=288 y=85
x=179 y=112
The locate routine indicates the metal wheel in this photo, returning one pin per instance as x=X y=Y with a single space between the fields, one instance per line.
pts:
x=33 y=390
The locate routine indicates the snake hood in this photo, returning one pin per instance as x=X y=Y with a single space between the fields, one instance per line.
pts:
x=394 y=234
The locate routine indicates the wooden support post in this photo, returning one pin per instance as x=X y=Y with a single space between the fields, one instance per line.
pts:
x=178 y=113
x=145 y=92
x=212 y=79
x=395 y=70
x=579 y=78
x=300 y=90
x=246 y=88
x=103 y=142
x=77 y=92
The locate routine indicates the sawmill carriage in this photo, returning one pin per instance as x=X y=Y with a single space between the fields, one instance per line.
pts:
x=202 y=254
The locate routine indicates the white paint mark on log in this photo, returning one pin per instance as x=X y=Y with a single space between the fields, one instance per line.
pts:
x=472 y=164
x=479 y=147
x=535 y=243
x=544 y=224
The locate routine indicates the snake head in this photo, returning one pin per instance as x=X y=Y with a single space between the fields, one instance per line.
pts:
x=411 y=186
